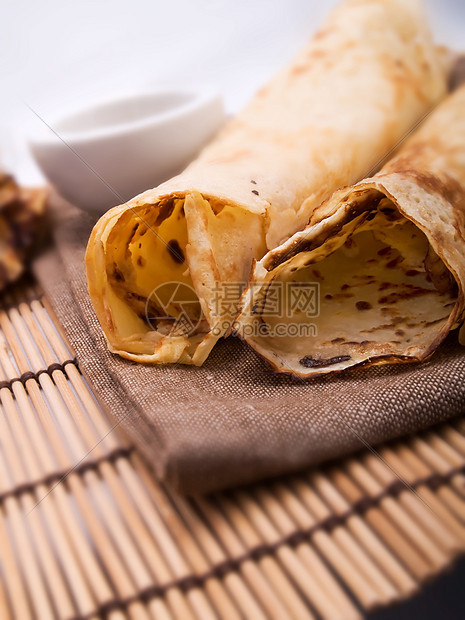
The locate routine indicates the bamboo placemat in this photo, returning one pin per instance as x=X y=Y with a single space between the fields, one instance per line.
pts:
x=87 y=532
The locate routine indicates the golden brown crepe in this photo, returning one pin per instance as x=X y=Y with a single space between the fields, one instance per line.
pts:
x=165 y=270
x=387 y=256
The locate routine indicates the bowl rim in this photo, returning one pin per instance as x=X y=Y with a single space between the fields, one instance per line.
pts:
x=47 y=135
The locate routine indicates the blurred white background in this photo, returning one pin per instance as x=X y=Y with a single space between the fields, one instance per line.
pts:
x=57 y=55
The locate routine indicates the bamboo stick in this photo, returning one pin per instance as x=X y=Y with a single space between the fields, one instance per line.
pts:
x=439 y=464
x=440 y=442
x=452 y=437
x=89 y=439
x=433 y=498
x=338 y=548
x=58 y=348
x=25 y=470
x=85 y=603
x=4 y=610
x=171 y=533
x=119 y=573
x=243 y=596
x=239 y=537
x=36 y=444
x=238 y=547
x=372 y=572
x=379 y=550
x=436 y=554
x=433 y=559
x=119 y=533
x=22 y=538
x=382 y=524
x=421 y=508
x=12 y=574
x=309 y=582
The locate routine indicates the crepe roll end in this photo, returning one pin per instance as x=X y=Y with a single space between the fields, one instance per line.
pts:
x=363 y=286
x=156 y=271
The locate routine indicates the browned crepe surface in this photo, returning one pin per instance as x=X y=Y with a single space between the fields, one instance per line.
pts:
x=388 y=255
x=369 y=74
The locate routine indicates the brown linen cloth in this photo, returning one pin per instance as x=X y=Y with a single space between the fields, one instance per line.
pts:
x=232 y=421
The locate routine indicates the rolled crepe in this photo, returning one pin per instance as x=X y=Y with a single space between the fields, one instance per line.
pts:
x=165 y=270
x=378 y=276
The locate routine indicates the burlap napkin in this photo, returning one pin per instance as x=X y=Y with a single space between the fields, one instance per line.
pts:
x=233 y=421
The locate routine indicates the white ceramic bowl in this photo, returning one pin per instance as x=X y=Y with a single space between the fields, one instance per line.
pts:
x=104 y=155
